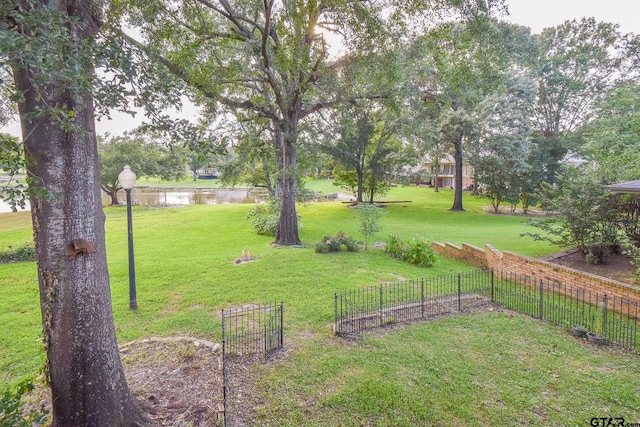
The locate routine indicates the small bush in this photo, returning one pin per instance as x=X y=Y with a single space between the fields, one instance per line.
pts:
x=338 y=243
x=394 y=247
x=22 y=254
x=369 y=221
x=417 y=252
x=634 y=252
x=265 y=217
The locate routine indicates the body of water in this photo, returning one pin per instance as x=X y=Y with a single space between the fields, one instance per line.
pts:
x=162 y=197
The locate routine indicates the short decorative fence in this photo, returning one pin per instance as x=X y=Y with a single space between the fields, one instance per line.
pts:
x=614 y=318
x=252 y=330
x=372 y=307
x=249 y=331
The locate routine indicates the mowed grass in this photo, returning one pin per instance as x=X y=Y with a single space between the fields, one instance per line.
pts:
x=491 y=368
x=482 y=368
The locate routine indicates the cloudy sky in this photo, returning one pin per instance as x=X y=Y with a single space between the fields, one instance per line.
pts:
x=540 y=14
x=536 y=14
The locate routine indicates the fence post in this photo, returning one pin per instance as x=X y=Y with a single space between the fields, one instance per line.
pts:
x=335 y=317
x=422 y=297
x=267 y=333
x=635 y=327
x=541 y=306
x=459 y=292
x=604 y=316
x=381 y=303
x=281 y=324
x=224 y=374
x=492 y=286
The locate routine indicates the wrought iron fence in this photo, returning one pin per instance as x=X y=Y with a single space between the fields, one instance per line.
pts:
x=249 y=331
x=362 y=309
x=255 y=329
x=614 y=318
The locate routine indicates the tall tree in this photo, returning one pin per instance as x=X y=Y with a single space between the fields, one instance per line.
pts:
x=578 y=63
x=352 y=146
x=465 y=63
x=500 y=160
x=270 y=59
x=613 y=138
x=50 y=47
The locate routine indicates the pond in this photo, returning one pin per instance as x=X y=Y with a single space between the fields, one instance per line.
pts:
x=160 y=197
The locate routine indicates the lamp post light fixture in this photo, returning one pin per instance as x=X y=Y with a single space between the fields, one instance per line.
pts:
x=127 y=179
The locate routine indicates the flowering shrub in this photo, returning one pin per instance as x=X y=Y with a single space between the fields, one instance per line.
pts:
x=417 y=252
x=339 y=242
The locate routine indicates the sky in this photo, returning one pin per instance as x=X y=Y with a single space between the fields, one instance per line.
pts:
x=540 y=14
x=536 y=14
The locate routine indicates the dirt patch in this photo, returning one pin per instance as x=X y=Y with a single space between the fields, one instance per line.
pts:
x=617 y=267
x=177 y=381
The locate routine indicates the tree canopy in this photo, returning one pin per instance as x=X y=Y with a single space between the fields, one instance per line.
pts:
x=577 y=63
x=270 y=60
x=613 y=137
x=144 y=157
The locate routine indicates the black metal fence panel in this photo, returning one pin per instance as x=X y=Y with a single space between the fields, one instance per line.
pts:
x=376 y=306
x=252 y=330
x=614 y=319
x=255 y=330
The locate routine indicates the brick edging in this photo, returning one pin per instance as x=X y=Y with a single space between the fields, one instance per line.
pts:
x=490 y=257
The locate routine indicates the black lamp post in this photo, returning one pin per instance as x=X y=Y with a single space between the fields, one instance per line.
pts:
x=127 y=180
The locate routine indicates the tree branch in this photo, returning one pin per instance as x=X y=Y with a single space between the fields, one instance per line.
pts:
x=180 y=73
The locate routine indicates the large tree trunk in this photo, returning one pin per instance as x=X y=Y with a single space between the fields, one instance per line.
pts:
x=114 y=197
x=287 y=231
x=372 y=191
x=359 y=182
x=83 y=363
x=457 y=156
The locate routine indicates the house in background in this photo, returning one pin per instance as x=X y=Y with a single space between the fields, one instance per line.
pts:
x=444 y=171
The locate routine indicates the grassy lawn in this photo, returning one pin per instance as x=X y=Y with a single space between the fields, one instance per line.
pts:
x=486 y=368
x=491 y=368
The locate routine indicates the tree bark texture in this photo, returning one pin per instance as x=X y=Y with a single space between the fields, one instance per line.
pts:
x=457 y=156
x=114 y=197
x=360 y=180
x=287 y=231
x=83 y=363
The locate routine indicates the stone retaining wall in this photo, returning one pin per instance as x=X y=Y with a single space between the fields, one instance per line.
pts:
x=490 y=257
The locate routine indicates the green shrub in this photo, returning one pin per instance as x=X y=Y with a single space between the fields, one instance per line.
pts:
x=419 y=252
x=12 y=411
x=338 y=243
x=394 y=247
x=265 y=218
x=22 y=254
x=634 y=252
x=415 y=251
